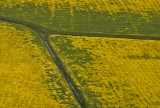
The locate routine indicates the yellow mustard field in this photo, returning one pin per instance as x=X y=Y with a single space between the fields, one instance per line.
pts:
x=112 y=72
x=28 y=76
x=112 y=6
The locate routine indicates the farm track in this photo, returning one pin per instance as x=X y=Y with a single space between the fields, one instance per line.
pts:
x=72 y=33
x=44 y=33
x=57 y=61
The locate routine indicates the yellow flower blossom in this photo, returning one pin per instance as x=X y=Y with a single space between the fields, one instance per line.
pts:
x=28 y=76
x=112 y=72
x=111 y=6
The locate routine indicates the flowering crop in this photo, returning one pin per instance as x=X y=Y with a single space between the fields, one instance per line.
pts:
x=112 y=72
x=28 y=76
x=111 y=6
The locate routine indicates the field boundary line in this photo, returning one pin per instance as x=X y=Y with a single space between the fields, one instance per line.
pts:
x=75 y=33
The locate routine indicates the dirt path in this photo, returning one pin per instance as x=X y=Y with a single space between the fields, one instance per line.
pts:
x=44 y=33
x=57 y=61
x=73 y=33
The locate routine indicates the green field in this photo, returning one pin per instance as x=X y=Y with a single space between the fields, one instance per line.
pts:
x=112 y=72
x=28 y=76
x=103 y=16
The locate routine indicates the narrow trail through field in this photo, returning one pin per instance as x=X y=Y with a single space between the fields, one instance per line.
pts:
x=44 y=33
x=58 y=63
x=74 y=33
